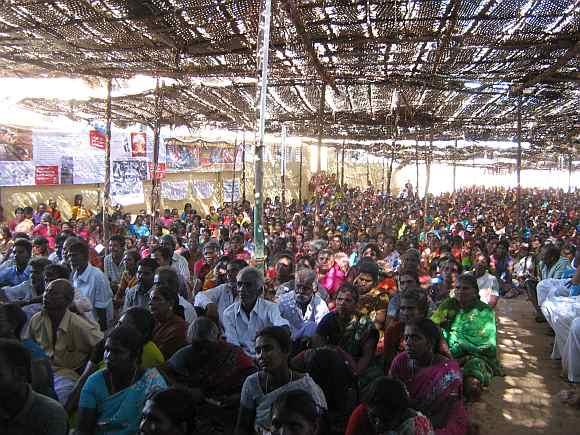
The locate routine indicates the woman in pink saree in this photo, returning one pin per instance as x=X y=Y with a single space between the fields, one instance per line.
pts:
x=435 y=383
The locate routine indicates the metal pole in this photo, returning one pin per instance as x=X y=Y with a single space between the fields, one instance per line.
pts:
x=454 y=165
x=107 y=185
x=519 y=158
x=244 y=167
x=320 y=118
x=300 y=178
x=263 y=50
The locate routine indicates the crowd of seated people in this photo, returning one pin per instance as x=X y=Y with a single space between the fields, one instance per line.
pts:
x=371 y=314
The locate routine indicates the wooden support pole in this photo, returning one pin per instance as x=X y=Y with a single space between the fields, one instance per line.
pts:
x=107 y=186
x=454 y=165
x=320 y=128
x=244 y=167
x=155 y=188
x=428 y=170
x=234 y=179
x=300 y=176
x=519 y=159
x=570 y=170
x=390 y=174
x=342 y=164
x=417 y=168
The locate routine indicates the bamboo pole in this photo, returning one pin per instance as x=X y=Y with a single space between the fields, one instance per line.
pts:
x=417 y=167
x=300 y=177
x=107 y=186
x=283 y=169
x=155 y=176
x=320 y=122
x=234 y=179
x=428 y=170
x=244 y=167
x=390 y=174
x=454 y=165
x=342 y=171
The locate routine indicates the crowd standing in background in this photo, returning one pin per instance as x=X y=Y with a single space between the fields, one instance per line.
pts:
x=370 y=314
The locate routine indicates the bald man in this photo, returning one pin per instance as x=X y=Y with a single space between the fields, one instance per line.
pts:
x=250 y=313
x=303 y=307
x=67 y=338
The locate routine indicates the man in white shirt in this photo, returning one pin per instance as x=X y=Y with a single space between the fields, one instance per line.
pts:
x=251 y=313
x=91 y=281
x=215 y=300
x=487 y=283
x=302 y=307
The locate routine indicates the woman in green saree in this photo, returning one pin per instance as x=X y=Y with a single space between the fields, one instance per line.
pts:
x=468 y=326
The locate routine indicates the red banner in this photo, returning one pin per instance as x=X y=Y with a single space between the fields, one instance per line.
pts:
x=138 y=145
x=46 y=175
x=97 y=139
x=160 y=170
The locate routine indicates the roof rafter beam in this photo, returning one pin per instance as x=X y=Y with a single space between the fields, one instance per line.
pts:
x=296 y=19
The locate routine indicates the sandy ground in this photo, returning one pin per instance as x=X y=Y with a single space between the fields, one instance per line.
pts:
x=524 y=402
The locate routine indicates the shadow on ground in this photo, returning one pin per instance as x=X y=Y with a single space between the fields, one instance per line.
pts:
x=523 y=402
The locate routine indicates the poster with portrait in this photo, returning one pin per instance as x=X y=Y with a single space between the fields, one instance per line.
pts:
x=127 y=181
x=15 y=144
x=139 y=144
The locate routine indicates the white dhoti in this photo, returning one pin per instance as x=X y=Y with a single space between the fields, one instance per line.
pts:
x=561 y=313
x=571 y=352
x=548 y=288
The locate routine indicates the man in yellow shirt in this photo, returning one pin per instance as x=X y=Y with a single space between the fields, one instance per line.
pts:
x=67 y=338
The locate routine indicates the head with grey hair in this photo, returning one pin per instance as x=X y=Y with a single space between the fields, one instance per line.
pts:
x=250 y=282
x=305 y=286
x=203 y=329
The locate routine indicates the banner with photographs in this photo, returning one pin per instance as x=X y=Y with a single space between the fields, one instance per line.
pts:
x=46 y=156
x=199 y=155
x=175 y=190
x=202 y=189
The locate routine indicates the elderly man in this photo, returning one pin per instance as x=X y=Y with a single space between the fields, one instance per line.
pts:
x=67 y=338
x=303 y=307
x=90 y=281
x=215 y=300
x=251 y=313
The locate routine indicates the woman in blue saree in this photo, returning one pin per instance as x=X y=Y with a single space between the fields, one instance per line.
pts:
x=112 y=399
